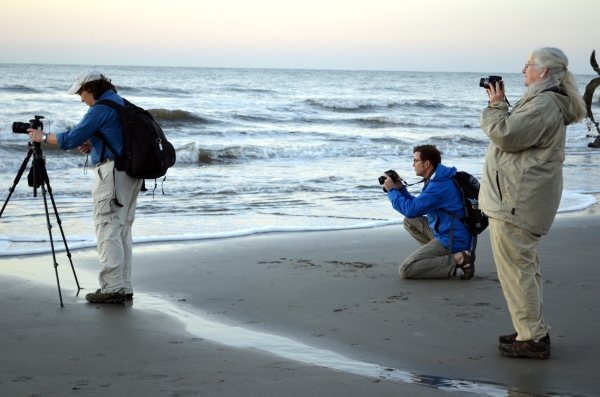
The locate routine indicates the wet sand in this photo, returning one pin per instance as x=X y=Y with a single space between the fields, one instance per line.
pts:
x=336 y=291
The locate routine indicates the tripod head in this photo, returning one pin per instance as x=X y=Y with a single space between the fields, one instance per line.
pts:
x=37 y=174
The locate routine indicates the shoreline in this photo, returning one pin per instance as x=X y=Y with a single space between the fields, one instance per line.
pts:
x=83 y=242
x=339 y=291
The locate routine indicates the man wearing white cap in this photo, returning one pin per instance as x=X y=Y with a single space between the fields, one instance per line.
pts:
x=100 y=134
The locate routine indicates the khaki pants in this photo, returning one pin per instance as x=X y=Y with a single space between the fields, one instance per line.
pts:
x=432 y=260
x=113 y=225
x=516 y=257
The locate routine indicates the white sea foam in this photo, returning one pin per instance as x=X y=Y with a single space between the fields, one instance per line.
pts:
x=571 y=201
x=80 y=241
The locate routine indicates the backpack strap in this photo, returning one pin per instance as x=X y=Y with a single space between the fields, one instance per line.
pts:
x=105 y=143
x=114 y=199
x=110 y=103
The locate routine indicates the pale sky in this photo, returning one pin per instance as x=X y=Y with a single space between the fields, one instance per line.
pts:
x=406 y=35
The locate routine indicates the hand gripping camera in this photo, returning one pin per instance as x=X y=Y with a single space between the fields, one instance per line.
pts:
x=392 y=174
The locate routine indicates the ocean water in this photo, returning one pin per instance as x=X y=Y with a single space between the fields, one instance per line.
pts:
x=258 y=150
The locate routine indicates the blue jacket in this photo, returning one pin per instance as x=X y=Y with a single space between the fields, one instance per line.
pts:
x=439 y=192
x=103 y=119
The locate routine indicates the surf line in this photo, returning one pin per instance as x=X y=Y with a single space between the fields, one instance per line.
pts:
x=287 y=348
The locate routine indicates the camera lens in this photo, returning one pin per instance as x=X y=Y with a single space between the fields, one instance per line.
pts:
x=20 y=128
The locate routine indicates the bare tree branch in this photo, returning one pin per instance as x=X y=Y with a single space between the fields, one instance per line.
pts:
x=594 y=63
x=588 y=97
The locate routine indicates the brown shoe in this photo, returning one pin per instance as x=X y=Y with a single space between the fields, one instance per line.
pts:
x=526 y=349
x=513 y=338
x=468 y=265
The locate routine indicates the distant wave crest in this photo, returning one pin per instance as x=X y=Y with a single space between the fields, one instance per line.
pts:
x=250 y=90
x=360 y=104
x=177 y=117
x=193 y=153
x=18 y=89
x=383 y=121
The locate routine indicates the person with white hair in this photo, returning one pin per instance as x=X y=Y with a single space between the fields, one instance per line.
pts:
x=522 y=186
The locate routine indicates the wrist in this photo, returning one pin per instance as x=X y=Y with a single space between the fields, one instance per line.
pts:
x=45 y=137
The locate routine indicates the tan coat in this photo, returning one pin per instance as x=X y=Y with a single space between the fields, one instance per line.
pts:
x=522 y=178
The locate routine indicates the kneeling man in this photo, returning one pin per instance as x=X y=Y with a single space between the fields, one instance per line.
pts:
x=445 y=241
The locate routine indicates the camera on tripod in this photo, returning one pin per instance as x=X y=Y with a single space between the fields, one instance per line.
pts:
x=21 y=128
x=38 y=178
x=37 y=175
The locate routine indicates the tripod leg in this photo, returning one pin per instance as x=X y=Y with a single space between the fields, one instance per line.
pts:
x=52 y=244
x=17 y=179
x=47 y=181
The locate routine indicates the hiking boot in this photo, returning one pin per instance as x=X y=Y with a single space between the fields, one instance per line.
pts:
x=111 y=297
x=527 y=349
x=513 y=338
x=129 y=297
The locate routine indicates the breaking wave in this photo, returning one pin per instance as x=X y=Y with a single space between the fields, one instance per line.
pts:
x=194 y=153
x=385 y=121
x=18 y=89
x=363 y=104
x=168 y=116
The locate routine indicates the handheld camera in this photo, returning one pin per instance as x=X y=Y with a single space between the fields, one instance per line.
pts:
x=486 y=81
x=392 y=174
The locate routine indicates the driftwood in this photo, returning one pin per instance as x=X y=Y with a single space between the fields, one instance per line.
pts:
x=588 y=96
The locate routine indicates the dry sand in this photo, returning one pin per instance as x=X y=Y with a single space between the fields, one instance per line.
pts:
x=337 y=291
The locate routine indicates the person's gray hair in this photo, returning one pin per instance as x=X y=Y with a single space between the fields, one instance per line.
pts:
x=558 y=75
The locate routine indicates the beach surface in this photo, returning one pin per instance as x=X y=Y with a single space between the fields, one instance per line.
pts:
x=299 y=298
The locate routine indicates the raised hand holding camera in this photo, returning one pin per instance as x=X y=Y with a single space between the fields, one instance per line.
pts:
x=391 y=180
x=494 y=86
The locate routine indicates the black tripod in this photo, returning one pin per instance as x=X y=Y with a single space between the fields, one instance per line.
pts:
x=38 y=177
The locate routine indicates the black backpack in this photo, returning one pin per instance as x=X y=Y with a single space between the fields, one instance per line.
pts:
x=474 y=220
x=148 y=154
x=468 y=186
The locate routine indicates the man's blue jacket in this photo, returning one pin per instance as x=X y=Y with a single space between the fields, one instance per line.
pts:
x=439 y=192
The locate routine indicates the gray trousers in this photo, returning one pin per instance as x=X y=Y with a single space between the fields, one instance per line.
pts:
x=432 y=260
x=113 y=225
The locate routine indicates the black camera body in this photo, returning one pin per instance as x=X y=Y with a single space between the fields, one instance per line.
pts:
x=21 y=128
x=393 y=176
x=486 y=81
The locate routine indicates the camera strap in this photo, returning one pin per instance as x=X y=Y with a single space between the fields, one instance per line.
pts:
x=410 y=184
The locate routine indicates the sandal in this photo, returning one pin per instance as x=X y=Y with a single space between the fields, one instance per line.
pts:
x=468 y=265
